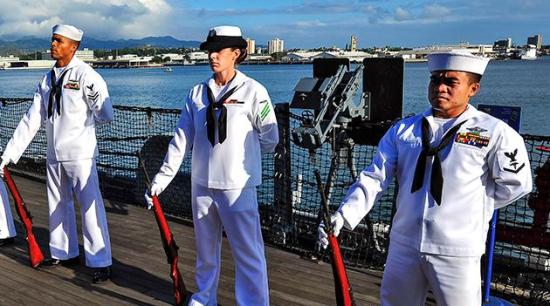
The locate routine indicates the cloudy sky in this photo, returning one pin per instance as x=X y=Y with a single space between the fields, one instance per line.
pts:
x=302 y=24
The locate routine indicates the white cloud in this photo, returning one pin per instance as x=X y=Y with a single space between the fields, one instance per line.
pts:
x=310 y=24
x=401 y=14
x=98 y=18
x=436 y=10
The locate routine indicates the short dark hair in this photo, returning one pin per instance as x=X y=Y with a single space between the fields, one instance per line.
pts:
x=242 y=57
x=474 y=77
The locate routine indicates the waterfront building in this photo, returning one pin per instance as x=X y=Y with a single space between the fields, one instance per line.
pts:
x=300 y=56
x=535 y=40
x=258 y=59
x=32 y=64
x=86 y=55
x=275 y=45
x=5 y=61
x=172 y=57
x=198 y=57
x=503 y=44
x=250 y=46
x=420 y=53
x=308 y=56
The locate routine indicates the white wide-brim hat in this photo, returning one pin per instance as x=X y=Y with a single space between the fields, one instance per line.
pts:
x=68 y=31
x=458 y=61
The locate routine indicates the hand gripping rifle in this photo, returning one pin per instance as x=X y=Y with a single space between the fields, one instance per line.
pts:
x=169 y=244
x=35 y=253
x=344 y=295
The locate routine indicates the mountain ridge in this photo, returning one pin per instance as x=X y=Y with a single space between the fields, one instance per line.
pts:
x=32 y=44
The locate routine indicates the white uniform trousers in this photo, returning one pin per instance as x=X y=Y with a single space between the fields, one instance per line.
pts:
x=236 y=212
x=77 y=179
x=7 y=228
x=454 y=280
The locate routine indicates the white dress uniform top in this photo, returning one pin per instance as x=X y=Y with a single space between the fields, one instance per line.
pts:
x=439 y=245
x=225 y=176
x=7 y=227
x=71 y=152
x=486 y=167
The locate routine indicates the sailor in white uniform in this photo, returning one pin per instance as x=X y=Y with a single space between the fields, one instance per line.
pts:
x=72 y=99
x=7 y=227
x=454 y=165
x=228 y=121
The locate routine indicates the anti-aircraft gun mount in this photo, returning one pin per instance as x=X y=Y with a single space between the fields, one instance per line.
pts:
x=362 y=102
x=344 y=107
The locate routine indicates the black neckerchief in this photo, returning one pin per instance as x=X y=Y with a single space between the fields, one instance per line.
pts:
x=55 y=92
x=436 y=184
x=211 y=114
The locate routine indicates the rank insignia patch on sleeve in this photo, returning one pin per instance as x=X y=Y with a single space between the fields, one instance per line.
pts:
x=513 y=166
x=265 y=110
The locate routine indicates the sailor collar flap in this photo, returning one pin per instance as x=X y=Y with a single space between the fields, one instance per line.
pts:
x=470 y=112
x=68 y=76
x=237 y=82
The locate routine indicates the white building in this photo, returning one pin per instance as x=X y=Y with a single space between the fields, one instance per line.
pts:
x=174 y=57
x=6 y=60
x=250 y=46
x=198 y=56
x=275 y=45
x=85 y=55
x=32 y=64
x=307 y=56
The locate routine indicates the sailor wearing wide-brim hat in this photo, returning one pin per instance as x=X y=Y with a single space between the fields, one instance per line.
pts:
x=71 y=100
x=454 y=165
x=223 y=37
x=228 y=121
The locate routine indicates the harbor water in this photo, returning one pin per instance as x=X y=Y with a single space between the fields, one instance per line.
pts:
x=513 y=83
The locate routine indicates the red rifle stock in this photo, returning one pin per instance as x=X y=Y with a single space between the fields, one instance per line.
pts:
x=35 y=253
x=342 y=288
x=169 y=245
x=171 y=250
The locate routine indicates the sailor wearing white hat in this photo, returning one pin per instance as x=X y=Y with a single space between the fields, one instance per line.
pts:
x=228 y=121
x=68 y=31
x=454 y=165
x=7 y=227
x=71 y=99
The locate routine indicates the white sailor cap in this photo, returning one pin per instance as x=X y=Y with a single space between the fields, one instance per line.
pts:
x=458 y=61
x=68 y=31
x=223 y=37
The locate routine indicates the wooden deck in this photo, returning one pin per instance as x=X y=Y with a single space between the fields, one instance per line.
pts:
x=140 y=272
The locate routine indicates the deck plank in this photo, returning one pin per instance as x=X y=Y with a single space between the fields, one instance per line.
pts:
x=140 y=271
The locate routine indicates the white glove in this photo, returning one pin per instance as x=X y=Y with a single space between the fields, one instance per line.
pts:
x=3 y=164
x=155 y=191
x=337 y=222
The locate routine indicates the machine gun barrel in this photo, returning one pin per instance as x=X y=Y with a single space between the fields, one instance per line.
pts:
x=324 y=101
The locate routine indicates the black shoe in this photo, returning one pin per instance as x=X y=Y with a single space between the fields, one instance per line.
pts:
x=6 y=241
x=101 y=274
x=53 y=262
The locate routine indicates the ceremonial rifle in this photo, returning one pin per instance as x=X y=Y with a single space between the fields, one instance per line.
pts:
x=35 y=253
x=169 y=244
x=344 y=295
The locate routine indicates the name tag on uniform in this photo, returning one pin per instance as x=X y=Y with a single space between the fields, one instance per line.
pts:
x=233 y=101
x=72 y=84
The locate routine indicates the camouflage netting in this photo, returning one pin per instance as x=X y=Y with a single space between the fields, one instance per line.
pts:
x=289 y=197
